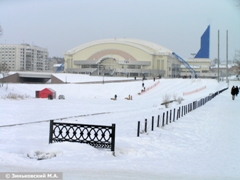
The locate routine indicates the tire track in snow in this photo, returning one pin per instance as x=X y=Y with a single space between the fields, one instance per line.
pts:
x=83 y=115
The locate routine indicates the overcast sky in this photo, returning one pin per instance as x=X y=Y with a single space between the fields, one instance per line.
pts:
x=61 y=25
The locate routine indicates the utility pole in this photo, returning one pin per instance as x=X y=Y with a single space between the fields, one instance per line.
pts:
x=218 y=55
x=227 y=56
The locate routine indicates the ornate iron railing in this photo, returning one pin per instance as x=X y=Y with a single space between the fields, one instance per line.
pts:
x=95 y=135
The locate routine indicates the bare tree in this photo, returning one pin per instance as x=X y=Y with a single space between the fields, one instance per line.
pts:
x=236 y=57
x=166 y=100
x=4 y=70
x=215 y=61
x=3 y=67
x=236 y=60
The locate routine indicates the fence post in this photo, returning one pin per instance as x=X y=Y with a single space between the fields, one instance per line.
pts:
x=138 y=129
x=182 y=111
x=167 y=118
x=152 y=122
x=174 y=115
x=177 y=113
x=113 y=139
x=145 y=125
x=170 y=116
x=158 y=120
x=163 y=119
x=50 y=131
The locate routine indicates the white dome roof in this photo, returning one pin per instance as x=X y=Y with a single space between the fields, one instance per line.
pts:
x=146 y=46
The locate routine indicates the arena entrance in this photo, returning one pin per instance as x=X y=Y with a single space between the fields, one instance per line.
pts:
x=107 y=66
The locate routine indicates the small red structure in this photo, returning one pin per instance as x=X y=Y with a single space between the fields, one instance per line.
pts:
x=46 y=92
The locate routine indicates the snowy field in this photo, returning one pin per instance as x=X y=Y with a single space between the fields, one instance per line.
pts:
x=203 y=144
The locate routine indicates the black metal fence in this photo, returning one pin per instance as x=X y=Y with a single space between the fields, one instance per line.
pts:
x=174 y=114
x=95 y=135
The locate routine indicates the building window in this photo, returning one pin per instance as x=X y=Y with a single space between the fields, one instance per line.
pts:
x=158 y=64
x=162 y=64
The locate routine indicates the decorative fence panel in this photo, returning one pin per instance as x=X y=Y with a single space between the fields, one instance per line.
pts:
x=95 y=135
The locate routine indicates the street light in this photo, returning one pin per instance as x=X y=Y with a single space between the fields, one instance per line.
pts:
x=193 y=54
x=103 y=77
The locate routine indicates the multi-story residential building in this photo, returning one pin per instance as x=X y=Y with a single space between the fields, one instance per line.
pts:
x=24 y=57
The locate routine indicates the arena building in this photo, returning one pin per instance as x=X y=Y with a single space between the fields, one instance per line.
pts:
x=122 y=57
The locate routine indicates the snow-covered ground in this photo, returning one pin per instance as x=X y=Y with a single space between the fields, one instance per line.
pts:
x=203 y=144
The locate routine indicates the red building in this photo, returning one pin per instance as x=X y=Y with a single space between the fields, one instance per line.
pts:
x=45 y=93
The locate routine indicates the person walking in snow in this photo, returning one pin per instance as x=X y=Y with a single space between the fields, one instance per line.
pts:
x=233 y=92
x=236 y=90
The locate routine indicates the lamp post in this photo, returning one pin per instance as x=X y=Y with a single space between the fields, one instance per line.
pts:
x=218 y=54
x=98 y=69
x=103 y=78
x=194 y=54
x=227 y=57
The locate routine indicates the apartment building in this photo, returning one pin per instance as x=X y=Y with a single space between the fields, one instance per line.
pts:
x=24 y=57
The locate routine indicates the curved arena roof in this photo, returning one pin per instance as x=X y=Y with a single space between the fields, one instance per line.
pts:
x=146 y=46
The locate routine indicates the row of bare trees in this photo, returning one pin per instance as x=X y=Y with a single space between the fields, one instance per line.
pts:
x=4 y=70
x=236 y=60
